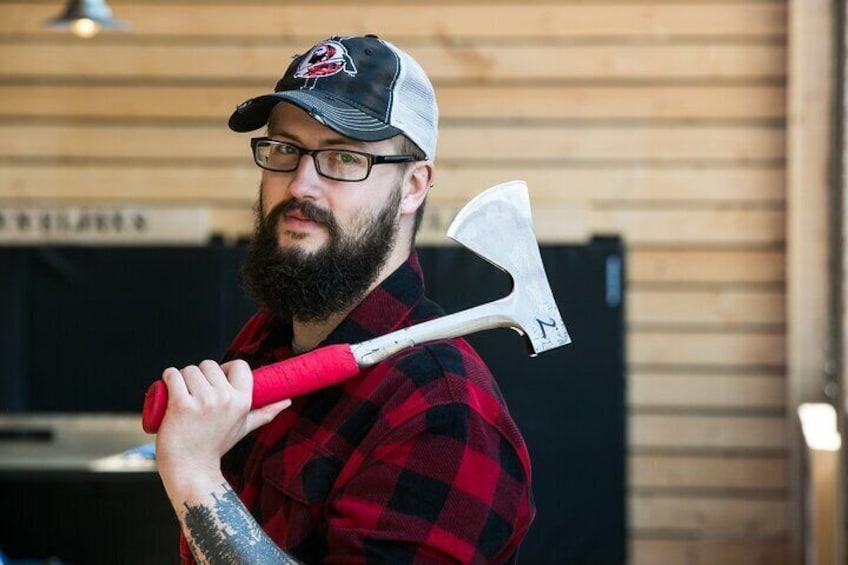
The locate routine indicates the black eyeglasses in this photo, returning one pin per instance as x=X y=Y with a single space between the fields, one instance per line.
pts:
x=336 y=164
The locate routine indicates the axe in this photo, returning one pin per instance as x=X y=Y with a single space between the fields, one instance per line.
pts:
x=496 y=225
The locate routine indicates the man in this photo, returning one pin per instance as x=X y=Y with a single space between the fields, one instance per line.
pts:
x=414 y=460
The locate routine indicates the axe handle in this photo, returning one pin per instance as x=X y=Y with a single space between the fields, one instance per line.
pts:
x=333 y=364
x=297 y=376
x=496 y=314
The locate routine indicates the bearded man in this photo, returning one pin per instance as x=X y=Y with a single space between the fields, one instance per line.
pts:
x=413 y=460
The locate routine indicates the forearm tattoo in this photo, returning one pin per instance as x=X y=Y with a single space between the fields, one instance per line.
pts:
x=225 y=533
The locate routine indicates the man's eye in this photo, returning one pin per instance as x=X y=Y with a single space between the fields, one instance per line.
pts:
x=286 y=149
x=348 y=158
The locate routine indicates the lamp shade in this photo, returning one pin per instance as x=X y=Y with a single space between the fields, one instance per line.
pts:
x=86 y=18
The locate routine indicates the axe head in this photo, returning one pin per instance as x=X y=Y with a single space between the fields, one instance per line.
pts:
x=497 y=226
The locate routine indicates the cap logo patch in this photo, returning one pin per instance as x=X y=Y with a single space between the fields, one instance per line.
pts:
x=324 y=60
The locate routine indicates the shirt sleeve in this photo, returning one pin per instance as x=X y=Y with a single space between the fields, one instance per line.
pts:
x=445 y=487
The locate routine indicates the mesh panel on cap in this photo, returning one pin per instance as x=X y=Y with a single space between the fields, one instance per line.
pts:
x=414 y=108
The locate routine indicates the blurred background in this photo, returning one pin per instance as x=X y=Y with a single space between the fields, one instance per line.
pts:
x=691 y=149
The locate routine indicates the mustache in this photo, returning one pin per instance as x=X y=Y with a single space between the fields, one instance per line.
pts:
x=306 y=209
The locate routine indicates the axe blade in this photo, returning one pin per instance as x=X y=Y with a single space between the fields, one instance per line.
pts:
x=497 y=226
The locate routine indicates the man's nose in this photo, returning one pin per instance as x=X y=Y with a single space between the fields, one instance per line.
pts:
x=306 y=182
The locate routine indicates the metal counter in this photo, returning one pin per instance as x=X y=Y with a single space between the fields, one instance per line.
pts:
x=72 y=442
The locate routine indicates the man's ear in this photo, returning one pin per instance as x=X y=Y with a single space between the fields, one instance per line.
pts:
x=416 y=187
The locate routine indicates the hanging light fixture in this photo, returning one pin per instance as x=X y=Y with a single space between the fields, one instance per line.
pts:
x=85 y=18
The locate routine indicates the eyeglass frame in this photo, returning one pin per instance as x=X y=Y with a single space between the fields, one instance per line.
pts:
x=371 y=158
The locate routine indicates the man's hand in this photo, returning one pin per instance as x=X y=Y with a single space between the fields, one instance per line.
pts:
x=208 y=412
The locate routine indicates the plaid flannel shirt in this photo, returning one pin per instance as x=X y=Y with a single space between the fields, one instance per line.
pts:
x=414 y=460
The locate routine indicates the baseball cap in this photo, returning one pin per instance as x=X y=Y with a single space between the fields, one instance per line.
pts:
x=364 y=88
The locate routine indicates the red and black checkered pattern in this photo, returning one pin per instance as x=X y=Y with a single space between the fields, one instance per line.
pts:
x=415 y=460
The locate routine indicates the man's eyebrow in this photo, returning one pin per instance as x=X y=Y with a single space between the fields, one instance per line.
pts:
x=341 y=140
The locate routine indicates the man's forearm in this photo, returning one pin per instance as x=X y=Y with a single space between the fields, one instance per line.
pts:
x=220 y=531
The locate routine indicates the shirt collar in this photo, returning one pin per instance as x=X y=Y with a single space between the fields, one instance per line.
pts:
x=385 y=308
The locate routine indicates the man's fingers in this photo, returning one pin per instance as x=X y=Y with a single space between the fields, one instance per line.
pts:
x=239 y=374
x=262 y=416
x=213 y=373
x=195 y=380
x=175 y=383
x=211 y=387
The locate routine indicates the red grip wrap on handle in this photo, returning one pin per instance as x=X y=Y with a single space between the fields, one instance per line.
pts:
x=297 y=376
x=303 y=374
x=155 y=403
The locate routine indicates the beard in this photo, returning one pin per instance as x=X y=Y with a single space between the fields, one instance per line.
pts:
x=310 y=287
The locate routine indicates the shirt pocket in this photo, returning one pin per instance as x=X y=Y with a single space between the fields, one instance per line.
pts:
x=303 y=470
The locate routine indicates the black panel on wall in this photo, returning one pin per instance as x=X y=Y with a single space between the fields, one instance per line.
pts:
x=568 y=402
x=13 y=328
x=79 y=518
x=95 y=326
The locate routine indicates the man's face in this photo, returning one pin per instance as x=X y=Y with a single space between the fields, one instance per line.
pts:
x=320 y=244
x=317 y=206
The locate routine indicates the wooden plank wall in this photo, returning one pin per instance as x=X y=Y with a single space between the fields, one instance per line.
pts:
x=662 y=121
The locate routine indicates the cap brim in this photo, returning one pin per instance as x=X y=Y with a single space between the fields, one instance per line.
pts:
x=333 y=113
